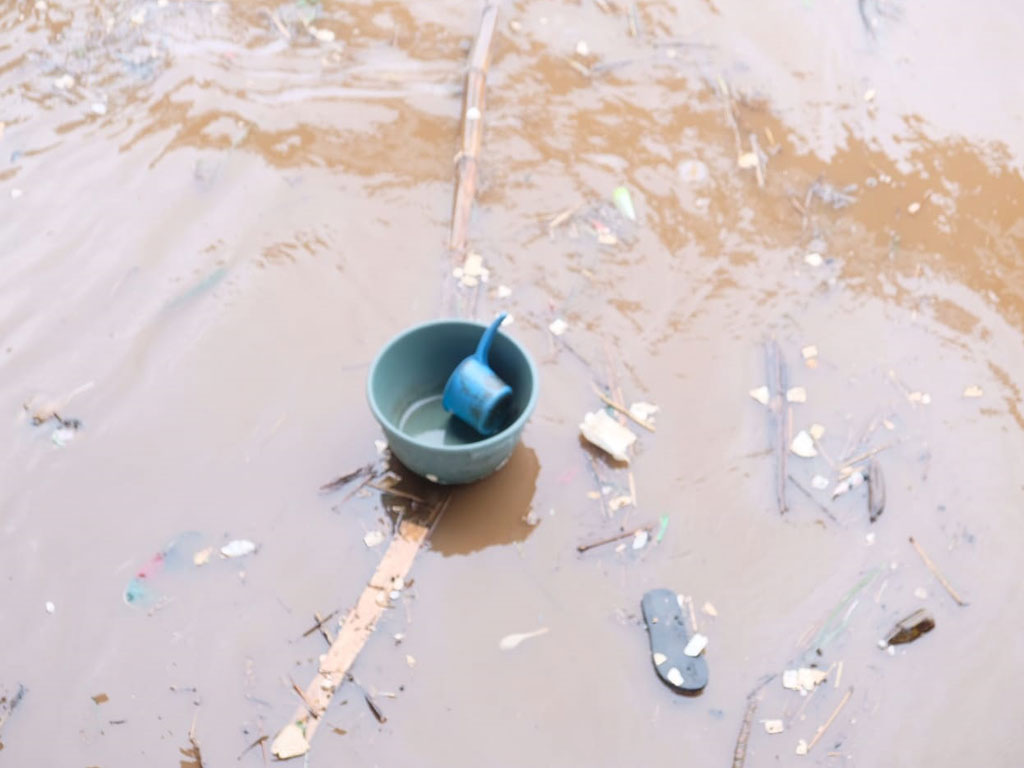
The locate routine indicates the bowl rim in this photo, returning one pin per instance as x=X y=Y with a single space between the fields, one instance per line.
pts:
x=502 y=436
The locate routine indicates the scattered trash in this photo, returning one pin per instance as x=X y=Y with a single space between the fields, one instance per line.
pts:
x=410 y=660
x=913 y=208
x=100 y=698
x=747 y=160
x=814 y=259
x=64 y=82
x=503 y=292
x=843 y=486
x=473 y=113
x=99 y=108
x=669 y=640
x=62 y=436
x=803 y=445
x=472 y=271
x=817 y=431
x=662 y=527
x=643 y=412
x=832 y=195
x=761 y=394
x=801 y=747
x=290 y=742
x=796 y=395
x=876 y=491
x=373 y=538
x=804 y=679
x=692 y=171
x=510 y=642
x=908 y=629
x=582 y=49
x=16 y=193
x=640 y=539
x=973 y=391
x=139 y=590
x=921 y=593
x=773 y=726
x=624 y=202
x=710 y=609
x=919 y=397
x=869 y=94
x=50 y=607
x=558 y=326
x=819 y=483
x=202 y=557
x=138 y=17
x=809 y=351
x=619 y=502
x=238 y=548
x=323 y=35
x=602 y=430
x=696 y=645
x=612 y=539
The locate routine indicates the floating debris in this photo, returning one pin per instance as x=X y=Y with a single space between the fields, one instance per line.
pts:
x=290 y=742
x=973 y=391
x=913 y=208
x=921 y=593
x=908 y=629
x=373 y=538
x=472 y=272
x=710 y=609
x=662 y=527
x=643 y=411
x=814 y=259
x=761 y=394
x=510 y=642
x=692 y=171
x=817 y=431
x=696 y=645
x=804 y=679
x=747 y=160
x=801 y=747
x=238 y=548
x=64 y=82
x=202 y=557
x=803 y=445
x=919 y=397
x=809 y=351
x=796 y=395
x=62 y=436
x=876 y=491
x=619 y=502
x=640 y=539
x=582 y=49
x=869 y=94
x=50 y=607
x=558 y=326
x=602 y=430
x=503 y=292
x=819 y=483
x=851 y=482
x=624 y=202
x=773 y=726
x=323 y=35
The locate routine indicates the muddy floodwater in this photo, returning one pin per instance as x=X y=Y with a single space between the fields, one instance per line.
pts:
x=214 y=214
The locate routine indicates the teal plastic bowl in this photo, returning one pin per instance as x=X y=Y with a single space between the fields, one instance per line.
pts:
x=405 y=386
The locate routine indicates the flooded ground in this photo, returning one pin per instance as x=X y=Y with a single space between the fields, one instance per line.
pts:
x=215 y=213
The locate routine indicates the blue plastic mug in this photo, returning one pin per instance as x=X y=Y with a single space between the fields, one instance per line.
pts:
x=475 y=393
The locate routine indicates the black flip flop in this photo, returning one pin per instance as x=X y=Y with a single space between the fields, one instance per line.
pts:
x=669 y=636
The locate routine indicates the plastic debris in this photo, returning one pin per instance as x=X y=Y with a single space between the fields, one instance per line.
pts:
x=373 y=538
x=473 y=113
x=973 y=391
x=290 y=742
x=869 y=94
x=913 y=208
x=809 y=351
x=558 y=326
x=796 y=395
x=64 y=82
x=662 y=527
x=472 y=272
x=801 y=747
x=876 y=490
x=803 y=445
x=619 y=502
x=761 y=394
x=813 y=259
x=640 y=539
x=509 y=642
x=773 y=726
x=817 y=431
x=643 y=411
x=908 y=629
x=503 y=292
x=692 y=171
x=819 y=483
x=202 y=557
x=582 y=49
x=62 y=436
x=602 y=430
x=323 y=35
x=624 y=202
x=99 y=108
x=238 y=548
x=920 y=397
x=410 y=660
x=747 y=160
x=851 y=482
x=710 y=609
x=138 y=17
x=696 y=645
x=921 y=593
x=804 y=679
x=50 y=607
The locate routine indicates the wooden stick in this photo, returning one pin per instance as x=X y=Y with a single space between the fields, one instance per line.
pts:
x=739 y=755
x=622 y=409
x=472 y=130
x=295 y=737
x=612 y=539
x=831 y=719
x=807 y=493
x=937 y=573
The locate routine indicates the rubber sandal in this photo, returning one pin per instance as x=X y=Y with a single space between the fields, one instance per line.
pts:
x=669 y=636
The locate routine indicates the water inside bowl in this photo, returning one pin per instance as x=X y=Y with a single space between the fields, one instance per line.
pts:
x=426 y=421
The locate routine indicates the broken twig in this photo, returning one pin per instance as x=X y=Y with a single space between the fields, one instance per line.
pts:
x=344 y=480
x=937 y=573
x=612 y=539
x=775 y=367
x=824 y=727
x=622 y=409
